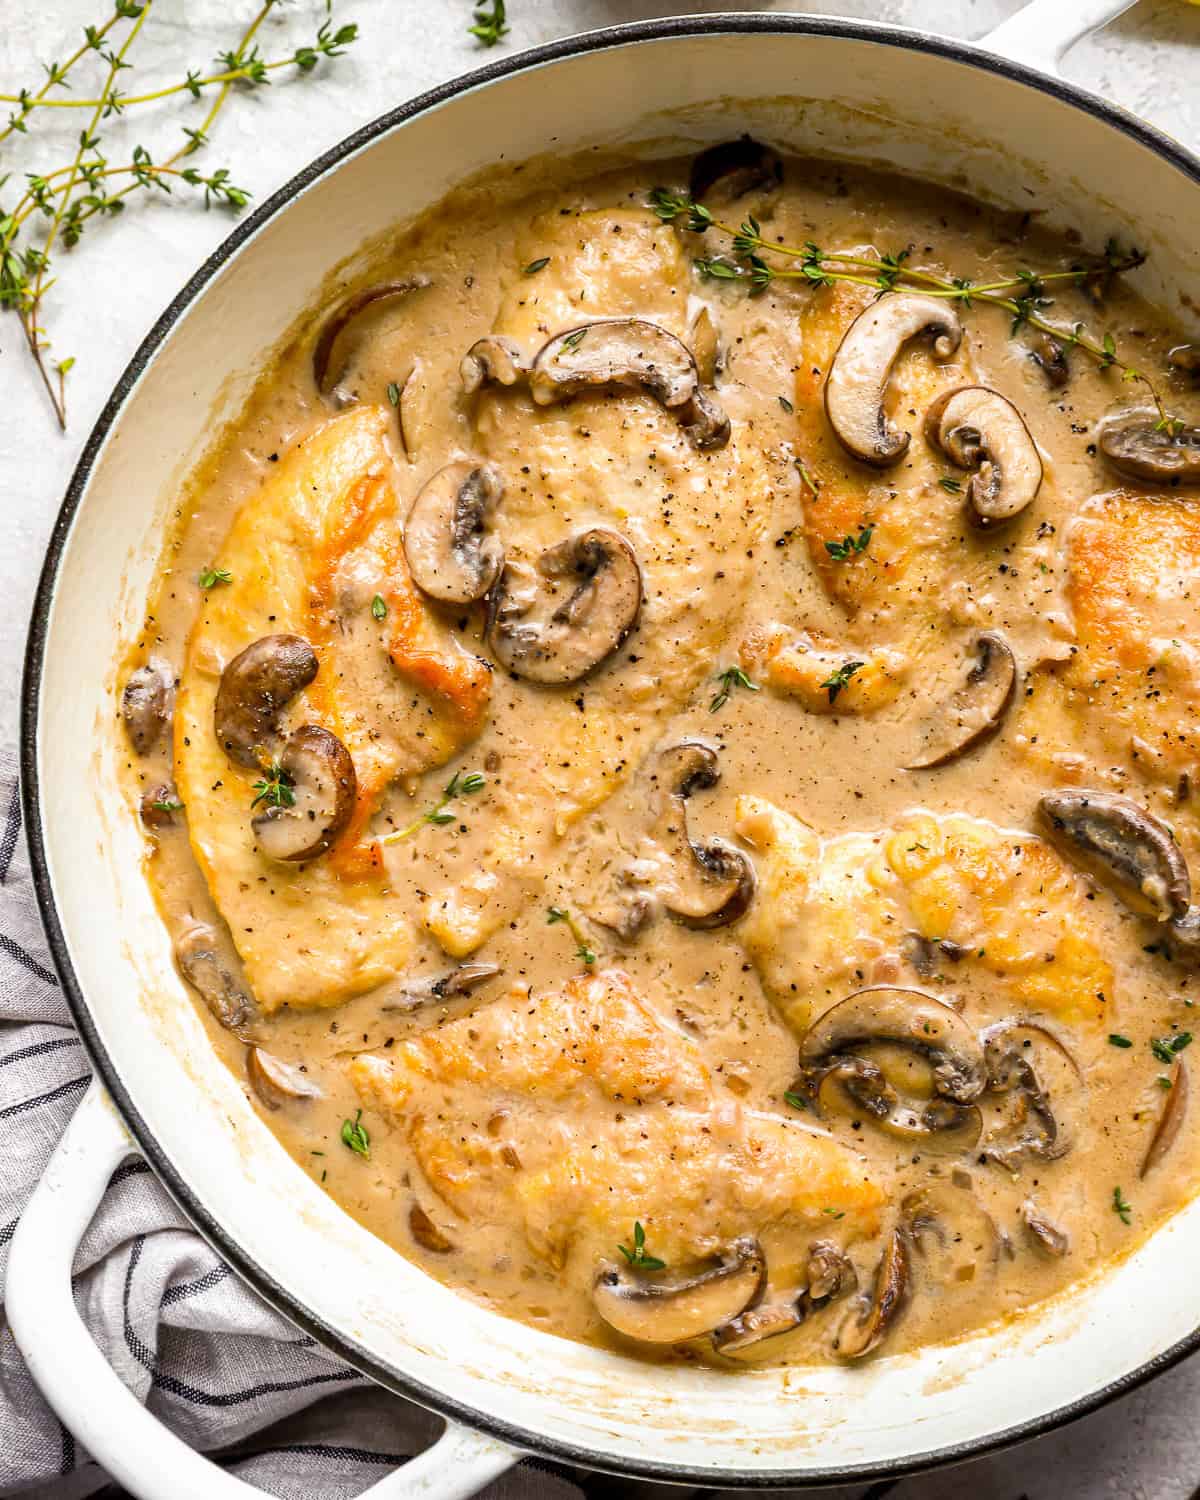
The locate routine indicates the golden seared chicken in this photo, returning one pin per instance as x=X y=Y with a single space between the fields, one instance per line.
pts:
x=581 y=1111
x=595 y=453
x=978 y=905
x=1125 y=706
x=305 y=557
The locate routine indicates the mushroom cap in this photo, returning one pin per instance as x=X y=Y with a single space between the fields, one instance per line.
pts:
x=735 y=168
x=906 y=1018
x=864 y=1329
x=146 y=703
x=979 y=429
x=198 y=956
x=425 y=1231
x=1044 y=1236
x=974 y=710
x=1174 y=1111
x=862 y=366
x=429 y=989
x=320 y=773
x=277 y=1082
x=614 y=351
x=1185 y=357
x=744 y=1337
x=326 y=371
x=710 y=884
x=541 y=632
x=1029 y=1063
x=255 y=688
x=1136 y=443
x=951 y=1230
x=629 y=353
x=1116 y=840
x=452 y=553
x=672 y=1309
x=494 y=359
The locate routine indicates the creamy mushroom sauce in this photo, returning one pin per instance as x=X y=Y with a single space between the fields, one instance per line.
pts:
x=629 y=1052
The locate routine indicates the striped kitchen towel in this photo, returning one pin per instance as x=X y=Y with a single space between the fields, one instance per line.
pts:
x=227 y=1373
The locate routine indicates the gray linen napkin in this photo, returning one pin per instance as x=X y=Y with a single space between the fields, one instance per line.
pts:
x=222 y=1369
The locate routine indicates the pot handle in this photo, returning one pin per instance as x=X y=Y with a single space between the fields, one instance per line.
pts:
x=1042 y=32
x=145 y=1457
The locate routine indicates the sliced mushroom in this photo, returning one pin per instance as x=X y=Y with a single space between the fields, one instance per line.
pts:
x=493 y=359
x=452 y=552
x=1037 y=1077
x=743 y=1337
x=925 y=954
x=1046 y=1238
x=1185 y=357
x=197 y=954
x=831 y=1051
x=1174 y=1110
x=1116 y=840
x=158 y=806
x=705 y=345
x=866 y=1326
x=672 y=1310
x=146 y=704
x=973 y=711
x=429 y=989
x=1142 y=445
x=317 y=770
x=256 y=686
x=630 y=353
x=732 y=169
x=979 y=429
x=543 y=633
x=856 y=385
x=277 y=1082
x=831 y=1274
x=326 y=370
x=709 y=884
x=1050 y=356
x=956 y=1236
x=426 y=1233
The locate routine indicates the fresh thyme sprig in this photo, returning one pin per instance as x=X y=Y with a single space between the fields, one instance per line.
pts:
x=1022 y=295
x=275 y=788
x=490 y=25
x=54 y=208
x=730 y=678
x=584 y=953
x=355 y=1136
x=637 y=1256
x=840 y=678
x=460 y=785
x=851 y=546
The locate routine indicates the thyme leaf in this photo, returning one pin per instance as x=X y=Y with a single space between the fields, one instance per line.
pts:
x=730 y=678
x=840 y=678
x=461 y=784
x=637 y=1256
x=354 y=1135
x=583 y=952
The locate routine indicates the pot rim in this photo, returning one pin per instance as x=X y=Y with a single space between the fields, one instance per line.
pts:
x=602 y=38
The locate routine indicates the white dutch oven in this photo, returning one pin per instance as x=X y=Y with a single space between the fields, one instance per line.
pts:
x=824 y=87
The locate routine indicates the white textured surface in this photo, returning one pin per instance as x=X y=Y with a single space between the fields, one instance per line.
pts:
x=116 y=283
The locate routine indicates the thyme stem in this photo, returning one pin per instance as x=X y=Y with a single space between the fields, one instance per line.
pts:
x=883 y=274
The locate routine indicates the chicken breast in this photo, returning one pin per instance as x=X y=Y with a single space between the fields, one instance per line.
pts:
x=651 y=1136
x=306 y=555
x=994 y=913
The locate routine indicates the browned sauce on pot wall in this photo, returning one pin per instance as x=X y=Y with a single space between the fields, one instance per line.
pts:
x=685 y=864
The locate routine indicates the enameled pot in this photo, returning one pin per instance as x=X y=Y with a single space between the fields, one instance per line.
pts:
x=964 y=115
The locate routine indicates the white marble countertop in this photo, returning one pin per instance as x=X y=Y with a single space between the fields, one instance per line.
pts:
x=114 y=285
